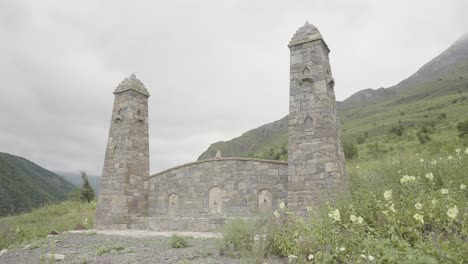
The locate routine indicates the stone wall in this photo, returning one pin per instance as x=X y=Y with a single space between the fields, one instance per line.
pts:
x=218 y=188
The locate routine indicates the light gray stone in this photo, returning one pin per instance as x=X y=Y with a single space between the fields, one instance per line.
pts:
x=56 y=257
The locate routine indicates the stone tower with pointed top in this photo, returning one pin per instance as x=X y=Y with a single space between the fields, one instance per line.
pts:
x=316 y=167
x=124 y=190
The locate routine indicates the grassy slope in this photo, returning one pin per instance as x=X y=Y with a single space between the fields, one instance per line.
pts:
x=37 y=224
x=25 y=185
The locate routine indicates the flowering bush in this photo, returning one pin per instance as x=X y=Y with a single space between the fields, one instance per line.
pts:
x=400 y=211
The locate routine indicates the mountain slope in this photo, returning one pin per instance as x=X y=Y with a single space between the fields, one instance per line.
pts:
x=25 y=185
x=435 y=94
x=253 y=141
x=453 y=57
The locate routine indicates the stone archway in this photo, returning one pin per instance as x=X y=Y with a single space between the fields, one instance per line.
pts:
x=265 y=200
x=215 y=200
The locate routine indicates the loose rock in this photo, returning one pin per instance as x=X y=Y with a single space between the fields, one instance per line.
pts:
x=56 y=257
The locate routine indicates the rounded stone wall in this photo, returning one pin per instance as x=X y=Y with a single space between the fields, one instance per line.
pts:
x=218 y=188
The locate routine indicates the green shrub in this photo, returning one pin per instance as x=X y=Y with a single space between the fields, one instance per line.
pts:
x=350 y=150
x=112 y=248
x=178 y=241
x=238 y=237
x=397 y=130
x=361 y=139
x=462 y=128
x=423 y=137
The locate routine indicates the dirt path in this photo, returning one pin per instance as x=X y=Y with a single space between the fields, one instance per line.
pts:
x=129 y=246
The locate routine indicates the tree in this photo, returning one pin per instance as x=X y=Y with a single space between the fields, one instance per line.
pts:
x=86 y=191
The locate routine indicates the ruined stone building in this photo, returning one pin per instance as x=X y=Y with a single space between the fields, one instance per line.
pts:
x=201 y=195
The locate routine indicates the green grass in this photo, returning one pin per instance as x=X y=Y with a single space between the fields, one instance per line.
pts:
x=112 y=248
x=37 y=224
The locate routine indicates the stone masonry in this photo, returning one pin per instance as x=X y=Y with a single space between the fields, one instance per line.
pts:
x=200 y=196
x=124 y=182
x=316 y=160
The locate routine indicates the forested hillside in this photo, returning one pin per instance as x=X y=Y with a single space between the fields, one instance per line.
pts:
x=25 y=185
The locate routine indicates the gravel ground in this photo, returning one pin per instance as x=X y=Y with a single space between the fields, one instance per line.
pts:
x=108 y=247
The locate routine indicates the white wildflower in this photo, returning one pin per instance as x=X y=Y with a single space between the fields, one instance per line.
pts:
x=421 y=160
x=335 y=215
x=282 y=206
x=292 y=258
x=391 y=208
x=407 y=178
x=276 y=214
x=419 y=218
x=450 y=158
x=360 y=220
x=466 y=151
x=434 y=201
x=458 y=151
x=462 y=186
x=444 y=191
x=310 y=257
x=434 y=162
x=371 y=258
x=429 y=176
x=388 y=195
x=452 y=212
x=357 y=167
x=363 y=256
x=342 y=248
x=418 y=206
x=353 y=218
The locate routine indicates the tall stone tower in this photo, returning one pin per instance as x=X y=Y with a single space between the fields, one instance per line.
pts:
x=124 y=181
x=316 y=161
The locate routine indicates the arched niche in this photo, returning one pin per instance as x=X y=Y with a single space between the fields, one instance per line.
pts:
x=265 y=200
x=308 y=123
x=215 y=200
x=173 y=203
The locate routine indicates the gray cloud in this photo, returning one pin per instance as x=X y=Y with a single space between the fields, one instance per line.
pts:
x=214 y=68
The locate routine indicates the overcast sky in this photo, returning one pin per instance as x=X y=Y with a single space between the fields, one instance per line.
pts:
x=214 y=69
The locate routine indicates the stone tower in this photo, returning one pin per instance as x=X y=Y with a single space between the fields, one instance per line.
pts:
x=316 y=168
x=124 y=181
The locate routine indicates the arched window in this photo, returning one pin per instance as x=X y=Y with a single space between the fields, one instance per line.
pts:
x=215 y=200
x=265 y=200
x=173 y=203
